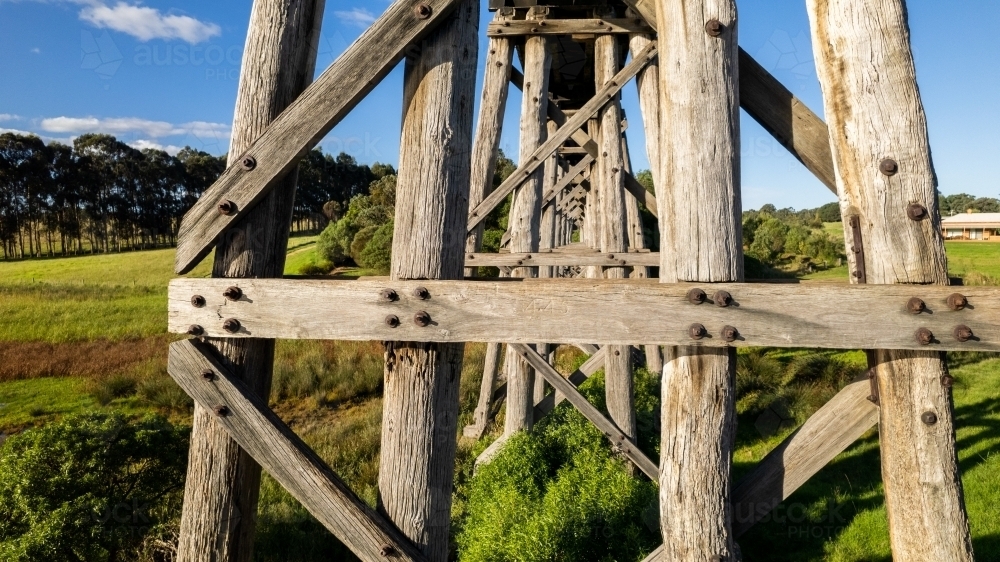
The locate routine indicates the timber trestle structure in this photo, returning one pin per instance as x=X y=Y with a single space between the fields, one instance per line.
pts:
x=575 y=212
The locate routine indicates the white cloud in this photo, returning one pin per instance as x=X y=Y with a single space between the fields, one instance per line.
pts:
x=9 y=117
x=356 y=16
x=146 y=23
x=142 y=144
x=36 y=51
x=134 y=125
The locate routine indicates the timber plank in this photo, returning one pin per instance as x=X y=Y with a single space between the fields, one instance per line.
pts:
x=543 y=259
x=567 y=27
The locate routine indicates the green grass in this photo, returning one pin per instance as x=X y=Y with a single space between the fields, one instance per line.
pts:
x=968 y=257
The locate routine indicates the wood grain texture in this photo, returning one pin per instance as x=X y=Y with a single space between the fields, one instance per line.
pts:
x=543 y=259
x=547 y=227
x=218 y=519
x=481 y=416
x=583 y=26
x=278 y=148
x=865 y=65
x=595 y=363
x=262 y=434
x=420 y=411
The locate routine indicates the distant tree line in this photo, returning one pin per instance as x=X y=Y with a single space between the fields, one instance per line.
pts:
x=963 y=203
x=102 y=195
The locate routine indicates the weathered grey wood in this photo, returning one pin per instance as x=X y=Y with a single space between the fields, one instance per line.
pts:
x=577 y=172
x=865 y=65
x=528 y=311
x=421 y=404
x=547 y=228
x=595 y=363
x=492 y=108
x=223 y=481
x=278 y=148
x=636 y=237
x=567 y=27
x=619 y=440
x=548 y=259
x=262 y=434
x=826 y=434
x=481 y=416
x=528 y=166
x=700 y=240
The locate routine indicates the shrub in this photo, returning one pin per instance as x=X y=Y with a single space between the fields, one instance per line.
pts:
x=163 y=392
x=361 y=239
x=334 y=244
x=106 y=389
x=377 y=253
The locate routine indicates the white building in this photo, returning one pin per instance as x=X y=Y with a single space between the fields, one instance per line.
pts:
x=972 y=226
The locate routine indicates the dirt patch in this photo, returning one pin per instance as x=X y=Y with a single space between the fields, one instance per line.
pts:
x=26 y=360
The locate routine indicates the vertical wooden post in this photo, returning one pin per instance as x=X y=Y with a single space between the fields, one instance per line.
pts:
x=636 y=237
x=547 y=231
x=525 y=212
x=219 y=517
x=888 y=190
x=592 y=221
x=699 y=207
x=422 y=380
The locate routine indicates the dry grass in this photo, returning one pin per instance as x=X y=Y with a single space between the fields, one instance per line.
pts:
x=28 y=360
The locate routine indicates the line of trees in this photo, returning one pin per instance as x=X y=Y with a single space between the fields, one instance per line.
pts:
x=102 y=195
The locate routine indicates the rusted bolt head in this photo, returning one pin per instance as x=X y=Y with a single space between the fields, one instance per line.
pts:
x=422 y=319
x=231 y=325
x=248 y=163
x=929 y=418
x=423 y=11
x=889 y=167
x=916 y=305
x=957 y=301
x=697 y=331
x=617 y=353
x=227 y=207
x=963 y=333
x=392 y=321
x=916 y=212
x=195 y=330
x=387 y=551
x=730 y=334
x=924 y=336
x=947 y=381
x=696 y=296
x=208 y=374
x=233 y=293
x=389 y=295
x=722 y=299
x=197 y=301
x=422 y=293
x=221 y=411
x=714 y=27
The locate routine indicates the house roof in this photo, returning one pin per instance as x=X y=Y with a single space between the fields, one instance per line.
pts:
x=976 y=220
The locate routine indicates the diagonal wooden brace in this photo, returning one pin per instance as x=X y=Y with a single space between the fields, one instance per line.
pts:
x=285 y=456
x=300 y=127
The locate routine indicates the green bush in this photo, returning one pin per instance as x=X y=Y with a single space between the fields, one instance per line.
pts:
x=106 y=389
x=377 y=253
x=361 y=240
x=334 y=244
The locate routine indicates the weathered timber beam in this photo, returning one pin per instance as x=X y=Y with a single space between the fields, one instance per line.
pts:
x=300 y=127
x=542 y=259
x=607 y=427
x=786 y=117
x=528 y=311
x=545 y=406
x=567 y=27
x=262 y=434
x=574 y=123
x=578 y=171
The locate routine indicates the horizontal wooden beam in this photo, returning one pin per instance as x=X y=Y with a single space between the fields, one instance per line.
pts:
x=557 y=311
x=303 y=124
x=262 y=434
x=567 y=27
x=576 y=172
x=624 y=259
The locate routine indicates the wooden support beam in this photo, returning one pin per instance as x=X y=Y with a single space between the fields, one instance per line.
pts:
x=537 y=158
x=575 y=173
x=291 y=135
x=261 y=433
x=595 y=363
x=567 y=27
x=557 y=259
x=528 y=311
x=481 y=416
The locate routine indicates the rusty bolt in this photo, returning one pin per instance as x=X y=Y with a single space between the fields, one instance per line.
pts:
x=924 y=336
x=889 y=167
x=392 y=321
x=422 y=293
x=221 y=411
x=227 y=207
x=957 y=301
x=714 y=27
x=423 y=11
x=730 y=334
x=248 y=163
x=916 y=212
x=696 y=296
x=195 y=330
x=722 y=299
x=197 y=301
x=947 y=381
x=208 y=374
x=422 y=319
x=617 y=353
x=916 y=305
x=697 y=331
x=233 y=293
x=387 y=551
x=929 y=418
x=389 y=295
x=963 y=333
x=231 y=325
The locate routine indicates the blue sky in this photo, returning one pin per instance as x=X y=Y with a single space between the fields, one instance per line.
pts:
x=164 y=73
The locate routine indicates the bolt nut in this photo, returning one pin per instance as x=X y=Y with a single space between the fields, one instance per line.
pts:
x=423 y=11
x=947 y=381
x=231 y=325
x=730 y=334
x=233 y=293
x=227 y=207
x=387 y=551
x=924 y=336
x=422 y=293
x=221 y=411
x=248 y=163
x=916 y=305
x=389 y=295
x=195 y=330
x=697 y=331
x=714 y=27
x=198 y=301
x=208 y=375
x=722 y=299
x=929 y=418
x=422 y=319
x=963 y=333
x=888 y=167
x=696 y=296
x=916 y=212
x=957 y=301
x=392 y=321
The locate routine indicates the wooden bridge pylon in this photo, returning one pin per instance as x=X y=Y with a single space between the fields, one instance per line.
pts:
x=574 y=175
